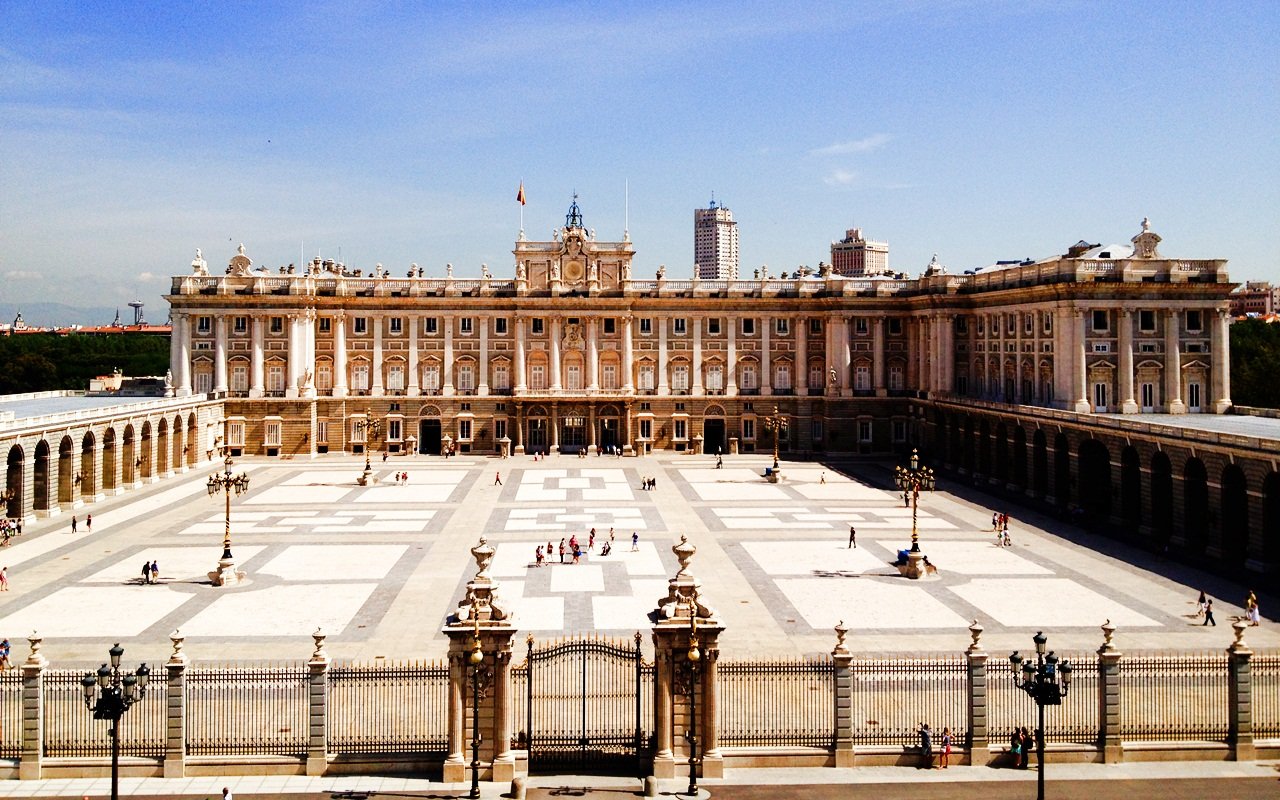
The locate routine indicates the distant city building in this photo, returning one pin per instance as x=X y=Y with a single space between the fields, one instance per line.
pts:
x=1255 y=298
x=855 y=255
x=715 y=243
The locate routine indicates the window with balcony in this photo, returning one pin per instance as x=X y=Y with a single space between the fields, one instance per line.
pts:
x=715 y=379
x=646 y=378
x=609 y=377
x=431 y=379
x=537 y=377
x=360 y=377
x=395 y=378
x=782 y=376
x=275 y=378
x=466 y=377
x=748 y=379
x=680 y=378
x=501 y=377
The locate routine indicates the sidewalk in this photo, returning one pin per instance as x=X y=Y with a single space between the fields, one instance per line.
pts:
x=1129 y=781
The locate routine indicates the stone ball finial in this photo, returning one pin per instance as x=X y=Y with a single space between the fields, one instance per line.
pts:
x=684 y=552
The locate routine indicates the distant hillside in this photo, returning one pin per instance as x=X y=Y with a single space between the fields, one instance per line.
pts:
x=44 y=315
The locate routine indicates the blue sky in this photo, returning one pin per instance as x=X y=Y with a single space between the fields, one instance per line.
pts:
x=131 y=134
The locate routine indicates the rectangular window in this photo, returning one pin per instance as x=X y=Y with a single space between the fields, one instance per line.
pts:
x=1100 y=320
x=1100 y=397
x=815 y=325
x=397 y=326
x=815 y=431
x=431 y=326
x=466 y=377
x=431 y=379
x=1010 y=324
x=277 y=325
x=1194 y=320
x=1147 y=392
x=464 y=429
x=715 y=378
x=358 y=431
x=537 y=326
x=713 y=326
x=573 y=377
x=899 y=430
x=395 y=430
x=748 y=326
x=1029 y=324
x=749 y=429
x=466 y=325
x=897 y=380
x=235 y=434
x=646 y=377
x=325 y=324
x=501 y=378
x=816 y=377
x=860 y=326
x=239 y=377
x=537 y=376
x=361 y=326
x=271 y=434
x=962 y=324
x=609 y=377
x=646 y=429
x=204 y=382
x=646 y=326
x=680 y=378
x=322 y=431
x=360 y=377
x=680 y=428
x=610 y=325
x=864 y=431
x=499 y=430
x=782 y=376
x=204 y=324
x=500 y=328
x=680 y=326
x=895 y=326
x=1147 y=321
x=1193 y=396
x=748 y=377
x=395 y=378
x=241 y=324
x=782 y=326
x=275 y=378
x=324 y=376
x=1048 y=323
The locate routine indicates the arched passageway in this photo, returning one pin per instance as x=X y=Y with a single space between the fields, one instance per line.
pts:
x=1095 y=481
x=143 y=461
x=193 y=443
x=88 y=474
x=1235 y=517
x=110 y=460
x=1161 y=499
x=1001 y=462
x=162 y=448
x=66 y=472
x=129 y=458
x=1195 y=498
x=1020 y=458
x=1131 y=491
x=40 y=478
x=13 y=483
x=1062 y=471
x=1040 y=463
x=984 y=448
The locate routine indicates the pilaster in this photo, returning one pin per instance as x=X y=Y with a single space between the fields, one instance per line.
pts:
x=29 y=768
x=1240 y=696
x=976 y=657
x=318 y=708
x=1109 y=697
x=175 y=712
x=841 y=664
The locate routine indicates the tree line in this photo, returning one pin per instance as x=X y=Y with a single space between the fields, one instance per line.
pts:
x=1255 y=362
x=41 y=362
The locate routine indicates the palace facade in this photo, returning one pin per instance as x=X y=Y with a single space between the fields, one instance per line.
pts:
x=573 y=351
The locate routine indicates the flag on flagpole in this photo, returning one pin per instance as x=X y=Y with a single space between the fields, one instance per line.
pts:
x=520 y=194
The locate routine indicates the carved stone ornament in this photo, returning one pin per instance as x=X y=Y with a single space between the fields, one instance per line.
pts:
x=975 y=633
x=483 y=554
x=684 y=552
x=1108 y=631
x=319 y=654
x=573 y=337
x=240 y=263
x=198 y=264
x=841 y=632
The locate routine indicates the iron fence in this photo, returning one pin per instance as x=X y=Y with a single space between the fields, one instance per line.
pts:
x=892 y=697
x=1266 y=694
x=777 y=703
x=1074 y=722
x=1174 y=698
x=71 y=730
x=392 y=708
x=247 y=711
x=10 y=713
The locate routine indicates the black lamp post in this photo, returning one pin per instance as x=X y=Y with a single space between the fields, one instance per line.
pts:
x=694 y=657
x=775 y=423
x=1047 y=682
x=227 y=483
x=108 y=695
x=912 y=480
x=476 y=659
x=370 y=428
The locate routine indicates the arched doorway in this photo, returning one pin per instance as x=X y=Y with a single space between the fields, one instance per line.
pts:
x=13 y=483
x=1131 y=490
x=1001 y=462
x=1235 y=517
x=1020 y=458
x=179 y=446
x=1095 y=481
x=984 y=447
x=143 y=461
x=1162 y=499
x=713 y=431
x=1271 y=523
x=40 y=478
x=109 y=457
x=1039 y=463
x=430 y=436
x=1062 y=471
x=128 y=464
x=1195 y=497
x=193 y=440
x=66 y=472
x=88 y=468
x=162 y=448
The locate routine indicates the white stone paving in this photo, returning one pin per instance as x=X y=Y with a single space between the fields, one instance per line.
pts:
x=974 y=558
x=533 y=613
x=1046 y=602
x=297 y=495
x=867 y=603
x=175 y=563
x=292 y=610
x=97 y=611
x=628 y=612
x=805 y=558
x=335 y=562
x=577 y=578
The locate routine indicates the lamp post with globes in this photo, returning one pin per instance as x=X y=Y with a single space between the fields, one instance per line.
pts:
x=476 y=661
x=1047 y=682
x=226 y=483
x=912 y=480
x=109 y=694
x=694 y=656
x=370 y=429
x=776 y=423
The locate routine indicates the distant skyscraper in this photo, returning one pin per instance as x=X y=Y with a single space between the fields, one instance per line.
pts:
x=715 y=243
x=855 y=255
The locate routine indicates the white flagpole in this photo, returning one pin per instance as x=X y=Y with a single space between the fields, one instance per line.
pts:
x=626 y=210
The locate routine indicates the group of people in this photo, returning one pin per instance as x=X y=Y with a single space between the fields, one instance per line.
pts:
x=4 y=654
x=88 y=523
x=572 y=548
x=1000 y=524
x=402 y=479
x=1251 y=611
x=9 y=528
x=648 y=484
x=1021 y=742
x=150 y=572
x=926 y=746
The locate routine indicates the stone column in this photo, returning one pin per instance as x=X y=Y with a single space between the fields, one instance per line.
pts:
x=1173 y=363
x=377 y=389
x=979 y=738
x=340 y=355
x=593 y=354
x=1125 y=387
x=257 y=380
x=414 y=384
x=696 y=367
x=308 y=390
x=731 y=359
x=518 y=380
x=1221 y=339
x=841 y=663
x=913 y=355
x=686 y=648
x=182 y=360
x=801 y=379
x=220 y=353
x=482 y=387
x=556 y=384
x=1240 y=696
x=1109 y=697
x=293 y=369
x=663 y=389
x=175 y=712
x=30 y=765
x=446 y=388
x=1079 y=365
x=628 y=380
x=843 y=358
x=480 y=634
x=877 y=353
x=766 y=345
x=318 y=708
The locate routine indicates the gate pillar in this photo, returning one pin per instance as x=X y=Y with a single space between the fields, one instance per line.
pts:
x=686 y=641
x=480 y=635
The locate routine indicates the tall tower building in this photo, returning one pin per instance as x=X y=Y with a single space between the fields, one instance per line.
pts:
x=715 y=243
x=855 y=255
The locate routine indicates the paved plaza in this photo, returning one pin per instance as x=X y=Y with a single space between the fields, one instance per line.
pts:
x=378 y=568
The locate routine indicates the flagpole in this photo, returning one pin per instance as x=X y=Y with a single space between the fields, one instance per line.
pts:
x=522 y=208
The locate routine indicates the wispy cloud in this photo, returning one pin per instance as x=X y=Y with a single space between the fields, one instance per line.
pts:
x=841 y=178
x=864 y=145
x=149 y=277
x=23 y=275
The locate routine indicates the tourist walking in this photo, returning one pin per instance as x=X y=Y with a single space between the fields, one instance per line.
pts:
x=146 y=572
x=635 y=541
x=926 y=745
x=853 y=538
x=1200 y=604
x=1208 y=613
x=946 y=748
x=4 y=654
x=4 y=579
x=155 y=571
x=538 y=555
x=88 y=523
x=497 y=479
x=73 y=523
x=562 y=550
x=1015 y=747
x=591 y=541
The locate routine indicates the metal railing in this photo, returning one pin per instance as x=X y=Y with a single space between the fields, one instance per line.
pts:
x=1074 y=722
x=766 y=703
x=10 y=713
x=71 y=730
x=1266 y=694
x=247 y=711
x=1174 y=698
x=391 y=708
x=891 y=697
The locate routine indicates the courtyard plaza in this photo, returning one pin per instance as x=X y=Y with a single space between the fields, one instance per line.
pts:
x=378 y=568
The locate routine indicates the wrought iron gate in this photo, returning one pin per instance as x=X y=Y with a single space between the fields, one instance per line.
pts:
x=588 y=706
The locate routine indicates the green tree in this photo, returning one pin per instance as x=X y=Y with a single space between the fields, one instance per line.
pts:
x=39 y=362
x=1255 y=359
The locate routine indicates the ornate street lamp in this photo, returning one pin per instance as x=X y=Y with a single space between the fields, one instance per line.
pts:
x=693 y=662
x=912 y=480
x=226 y=483
x=370 y=429
x=109 y=694
x=775 y=423
x=1047 y=682
x=476 y=660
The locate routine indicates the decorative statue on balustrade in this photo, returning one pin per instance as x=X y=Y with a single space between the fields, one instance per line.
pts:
x=198 y=266
x=239 y=264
